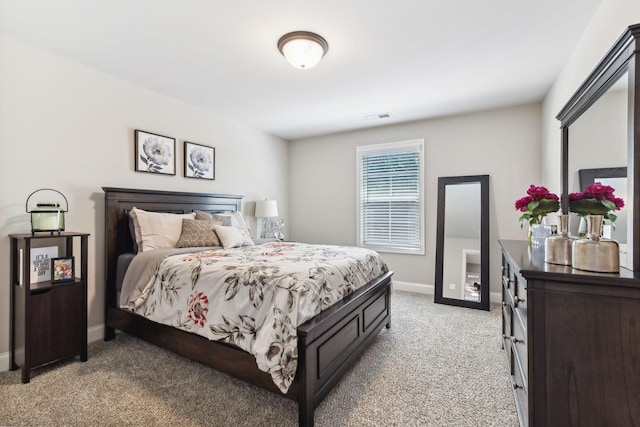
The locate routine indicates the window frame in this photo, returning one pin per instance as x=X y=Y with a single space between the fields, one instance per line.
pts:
x=392 y=147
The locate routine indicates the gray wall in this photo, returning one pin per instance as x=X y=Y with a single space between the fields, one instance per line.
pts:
x=503 y=143
x=69 y=127
x=607 y=25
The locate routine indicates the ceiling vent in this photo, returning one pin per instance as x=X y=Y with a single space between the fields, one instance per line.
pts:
x=378 y=116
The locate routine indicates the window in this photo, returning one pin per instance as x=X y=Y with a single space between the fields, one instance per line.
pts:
x=390 y=205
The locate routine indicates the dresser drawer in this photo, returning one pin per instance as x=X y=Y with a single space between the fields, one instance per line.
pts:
x=507 y=320
x=520 y=395
x=519 y=342
x=508 y=280
x=520 y=295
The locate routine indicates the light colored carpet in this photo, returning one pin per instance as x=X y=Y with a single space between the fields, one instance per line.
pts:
x=437 y=366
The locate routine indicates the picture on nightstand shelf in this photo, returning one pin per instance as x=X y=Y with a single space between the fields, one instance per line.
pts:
x=62 y=269
x=41 y=263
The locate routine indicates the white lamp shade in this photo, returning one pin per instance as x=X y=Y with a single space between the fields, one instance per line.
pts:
x=266 y=208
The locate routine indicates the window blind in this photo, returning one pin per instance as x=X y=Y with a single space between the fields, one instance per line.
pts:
x=390 y=196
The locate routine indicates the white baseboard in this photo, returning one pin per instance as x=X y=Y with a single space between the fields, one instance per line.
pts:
x=418 y=288
x=423 y=288
x=4 y=361
x=94 y=333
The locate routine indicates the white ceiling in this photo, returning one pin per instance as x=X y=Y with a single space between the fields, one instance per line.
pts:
x=413 y=59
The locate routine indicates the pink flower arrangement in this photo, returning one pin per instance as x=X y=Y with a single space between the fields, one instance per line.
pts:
x=536 y=205
x=596 y=199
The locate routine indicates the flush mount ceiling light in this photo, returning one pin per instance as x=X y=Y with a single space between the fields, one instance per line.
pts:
x=303 y=49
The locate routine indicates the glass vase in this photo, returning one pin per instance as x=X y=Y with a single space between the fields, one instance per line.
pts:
x=538 y=233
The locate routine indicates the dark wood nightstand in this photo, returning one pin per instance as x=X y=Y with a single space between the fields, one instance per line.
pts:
x=48 y=317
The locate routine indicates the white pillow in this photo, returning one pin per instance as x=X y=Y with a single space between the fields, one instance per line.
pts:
x=233 y=237
x=236 y=218
x=156 y=229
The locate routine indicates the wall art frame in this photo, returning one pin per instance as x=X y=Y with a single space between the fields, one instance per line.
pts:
x=40 y=263
x=199 y=161
x=62 y=269
x=154 y=153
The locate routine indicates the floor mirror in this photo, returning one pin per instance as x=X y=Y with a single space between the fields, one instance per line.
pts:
x=462 y=245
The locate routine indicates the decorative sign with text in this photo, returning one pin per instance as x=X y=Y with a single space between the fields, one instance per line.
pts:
x=41 y=263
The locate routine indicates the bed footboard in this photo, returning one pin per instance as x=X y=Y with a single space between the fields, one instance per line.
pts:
x=331 y=343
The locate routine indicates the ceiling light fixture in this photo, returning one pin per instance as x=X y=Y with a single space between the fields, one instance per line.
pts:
x=303 y=49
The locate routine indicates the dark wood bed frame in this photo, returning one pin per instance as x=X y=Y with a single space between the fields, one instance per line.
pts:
x=328 y=344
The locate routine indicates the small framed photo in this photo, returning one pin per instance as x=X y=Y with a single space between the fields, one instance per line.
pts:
x=62 y=270
x=199 y=161
x=155 y=153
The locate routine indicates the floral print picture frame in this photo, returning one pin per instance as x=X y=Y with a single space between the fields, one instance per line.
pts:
x=155 y=153
x=199 y=161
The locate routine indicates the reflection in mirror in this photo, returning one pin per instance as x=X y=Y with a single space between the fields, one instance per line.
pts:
x=616 y=178
x=600 y=128
x=598 y=141
x=462 y=253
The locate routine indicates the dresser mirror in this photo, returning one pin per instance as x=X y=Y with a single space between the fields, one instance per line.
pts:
x=462 y=245
x=600 y=134
x=598 y=140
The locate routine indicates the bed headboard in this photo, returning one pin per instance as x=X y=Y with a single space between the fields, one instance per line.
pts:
x=118 y=203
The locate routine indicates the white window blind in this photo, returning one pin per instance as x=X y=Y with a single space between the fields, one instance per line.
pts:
x=390 y=205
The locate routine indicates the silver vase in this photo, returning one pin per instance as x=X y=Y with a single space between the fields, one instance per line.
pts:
x=558 y=248
x=595 y=253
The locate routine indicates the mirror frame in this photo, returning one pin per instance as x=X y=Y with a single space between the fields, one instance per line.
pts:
x=483 y=304
x=589 y=176
x=617 y=61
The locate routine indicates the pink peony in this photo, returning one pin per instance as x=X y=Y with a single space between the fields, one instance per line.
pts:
x=198 y=308
x=536 y=205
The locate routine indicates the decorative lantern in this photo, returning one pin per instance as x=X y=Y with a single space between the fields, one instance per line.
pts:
x=47 y=216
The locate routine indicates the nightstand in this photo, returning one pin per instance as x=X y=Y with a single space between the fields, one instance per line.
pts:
x=48 y=311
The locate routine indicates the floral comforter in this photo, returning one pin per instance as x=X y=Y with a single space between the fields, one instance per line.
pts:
x=255 y=296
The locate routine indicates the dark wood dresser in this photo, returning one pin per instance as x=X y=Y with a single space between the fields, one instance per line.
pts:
x=572 y=340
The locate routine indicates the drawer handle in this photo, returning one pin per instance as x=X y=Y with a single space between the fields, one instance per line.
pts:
x=504 y=337
x=516 y=340
x=517 y=300
x=516 y=386
x=504 y=303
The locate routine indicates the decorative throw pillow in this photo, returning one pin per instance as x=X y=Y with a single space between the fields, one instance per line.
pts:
x=197 y=233
x=157 y=229
x=218 y=219
x=233 y=237
x=235 y=219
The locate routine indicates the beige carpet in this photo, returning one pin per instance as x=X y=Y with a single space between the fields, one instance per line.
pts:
x=437 y=366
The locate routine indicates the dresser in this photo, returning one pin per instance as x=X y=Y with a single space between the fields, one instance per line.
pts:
x=572 y=341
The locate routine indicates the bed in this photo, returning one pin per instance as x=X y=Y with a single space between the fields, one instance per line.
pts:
x=327 y=345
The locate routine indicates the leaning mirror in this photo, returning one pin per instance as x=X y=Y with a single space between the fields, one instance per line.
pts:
x=462 y=245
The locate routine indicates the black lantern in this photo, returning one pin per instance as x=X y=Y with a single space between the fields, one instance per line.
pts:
x=47 y=216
